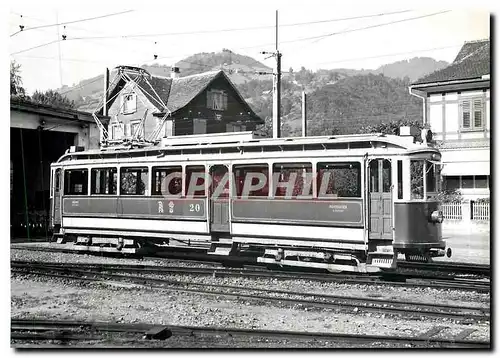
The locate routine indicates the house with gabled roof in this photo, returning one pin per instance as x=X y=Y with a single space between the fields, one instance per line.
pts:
x=456 y=107
x=153 y=107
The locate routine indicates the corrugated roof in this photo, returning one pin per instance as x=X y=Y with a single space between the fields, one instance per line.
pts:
x=472 y=62
x=160 y=87
x=185 y=89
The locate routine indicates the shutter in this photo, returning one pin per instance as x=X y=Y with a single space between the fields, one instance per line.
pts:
x=478 y=113
x=466 y=114
x=209 y=99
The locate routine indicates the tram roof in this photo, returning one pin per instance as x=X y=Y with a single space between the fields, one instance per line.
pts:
x=242 y=140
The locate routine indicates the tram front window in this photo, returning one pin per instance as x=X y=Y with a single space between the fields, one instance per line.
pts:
x=417 y=179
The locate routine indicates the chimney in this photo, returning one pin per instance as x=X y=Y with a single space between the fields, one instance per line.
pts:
x=174 y=72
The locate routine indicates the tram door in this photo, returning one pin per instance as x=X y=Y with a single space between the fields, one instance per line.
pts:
x=57 y=190
x=219 y=198
x=380 y=194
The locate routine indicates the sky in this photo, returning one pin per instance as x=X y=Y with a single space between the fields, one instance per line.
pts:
x=361 y=34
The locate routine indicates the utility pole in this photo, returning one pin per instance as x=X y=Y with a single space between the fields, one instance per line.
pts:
x=304 y=114
x=276 y=87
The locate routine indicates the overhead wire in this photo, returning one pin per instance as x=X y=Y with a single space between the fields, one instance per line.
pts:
x=308 y=38
x=199 y=32
x=73 y=22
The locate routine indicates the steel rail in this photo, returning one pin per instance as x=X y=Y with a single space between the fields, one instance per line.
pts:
x=394 y=279
x=37 y=325
x=454 y=267
x=358 y=303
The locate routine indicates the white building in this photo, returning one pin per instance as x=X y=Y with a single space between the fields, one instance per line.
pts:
x=456 y=106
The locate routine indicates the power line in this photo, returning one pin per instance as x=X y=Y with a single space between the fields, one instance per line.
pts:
x=367 y=27
x=227 y=30
x=389 y=54
x=35 y=47
x=288 y=41
x=255 y=27
x=72 y=22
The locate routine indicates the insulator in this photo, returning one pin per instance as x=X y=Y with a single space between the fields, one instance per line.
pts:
x=64 y=33
x=21 y=26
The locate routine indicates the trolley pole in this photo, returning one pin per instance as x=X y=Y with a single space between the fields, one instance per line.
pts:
x=276 y=87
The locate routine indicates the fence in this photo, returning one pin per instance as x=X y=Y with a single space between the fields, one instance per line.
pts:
x=466 y=211
x=452 y=211
x=480 y=211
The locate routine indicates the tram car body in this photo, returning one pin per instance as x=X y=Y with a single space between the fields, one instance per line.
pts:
x=348 y=203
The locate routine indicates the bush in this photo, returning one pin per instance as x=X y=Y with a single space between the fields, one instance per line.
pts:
x=482 y=201
x=450 y=196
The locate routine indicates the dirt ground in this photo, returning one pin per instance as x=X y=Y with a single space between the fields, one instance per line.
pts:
x=41 y=297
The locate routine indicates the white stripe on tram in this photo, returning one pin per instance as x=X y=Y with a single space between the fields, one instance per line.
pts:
x=136 y=224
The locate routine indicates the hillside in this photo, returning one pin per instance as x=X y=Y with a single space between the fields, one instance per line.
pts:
x=339 y=100
x=343 y=107
x=239 y=68
x=414 y=68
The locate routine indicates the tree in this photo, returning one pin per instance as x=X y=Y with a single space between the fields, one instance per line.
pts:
x=16 y=82
x=390 y=127
x=52 y=98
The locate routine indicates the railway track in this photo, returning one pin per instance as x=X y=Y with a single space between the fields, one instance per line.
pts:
x=394 y=279
x=203 y=258
x=278 y=297
x=60 y=332
x=454 y=267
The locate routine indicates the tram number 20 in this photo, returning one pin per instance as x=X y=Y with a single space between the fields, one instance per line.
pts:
x=194 y=208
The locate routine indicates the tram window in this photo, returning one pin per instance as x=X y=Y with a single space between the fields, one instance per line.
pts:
x=76 y=182
x=400 y=179
x=250 y=176
x=133 y=181
x=218 y=174
x=342 y=179
x=103 y=181
x=374 y=177
x=167 y=181
x=195 y=180
x=386 y=176
x=430 y=177
x=57 y=180
x=417 y=179
x=292 y=179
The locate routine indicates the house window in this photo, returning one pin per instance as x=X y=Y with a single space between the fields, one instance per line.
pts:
x=129 y=103
x=235 y=127
x=217 y=100
x=199 y=126
x=467 y=182
x=472 y=113
x=136 y=129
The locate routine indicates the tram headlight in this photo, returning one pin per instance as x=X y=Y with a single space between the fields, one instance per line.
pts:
x=437 y=216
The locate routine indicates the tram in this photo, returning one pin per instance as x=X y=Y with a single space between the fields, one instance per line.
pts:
x=341 y=203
